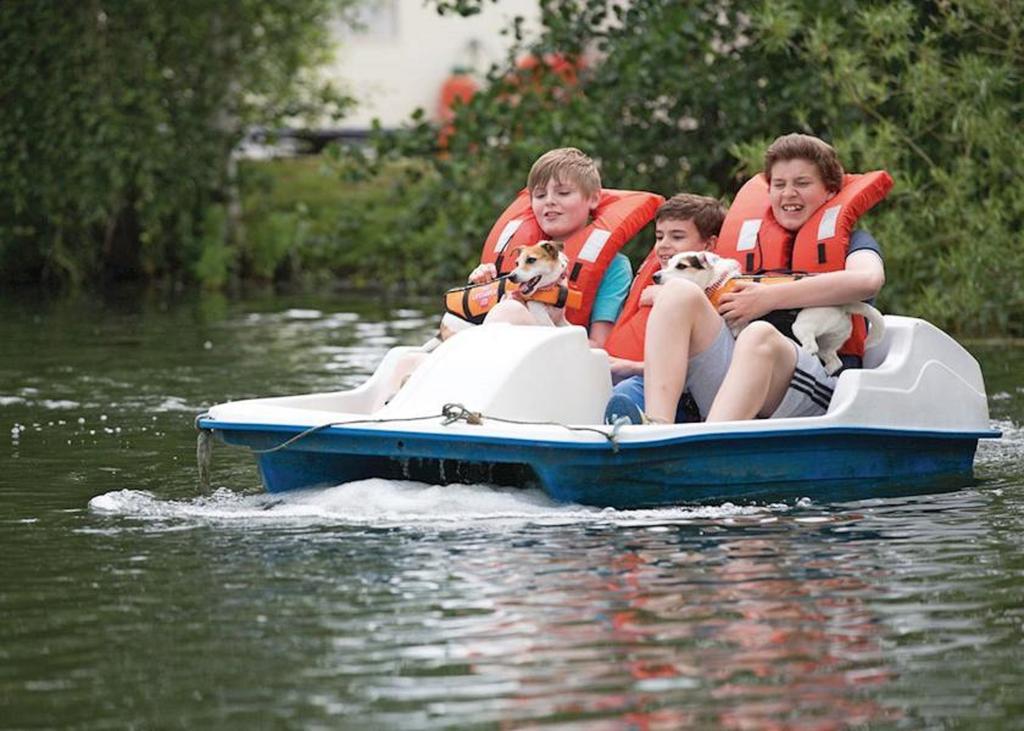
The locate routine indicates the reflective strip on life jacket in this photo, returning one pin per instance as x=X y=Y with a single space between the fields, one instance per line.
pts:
x=821 y=243
x=618 y=217
x=474 y=301
x=752 y=236
x=748 y=224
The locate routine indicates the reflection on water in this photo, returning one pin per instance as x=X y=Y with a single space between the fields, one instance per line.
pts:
x=129 y=599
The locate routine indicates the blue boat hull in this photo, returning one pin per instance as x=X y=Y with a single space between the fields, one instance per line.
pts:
x=830 y=464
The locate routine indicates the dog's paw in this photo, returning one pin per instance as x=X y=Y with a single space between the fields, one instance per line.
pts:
x=832 y=364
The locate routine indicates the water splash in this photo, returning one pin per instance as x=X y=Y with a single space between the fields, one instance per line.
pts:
x=391 y=503
x=1007 y=451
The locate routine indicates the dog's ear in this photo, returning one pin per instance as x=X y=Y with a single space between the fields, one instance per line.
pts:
x=515 y=252
x=554 y=248
x=686 y=260
x=701 y=260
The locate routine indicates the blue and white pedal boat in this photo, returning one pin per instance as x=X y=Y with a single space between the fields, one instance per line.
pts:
x=524 y=406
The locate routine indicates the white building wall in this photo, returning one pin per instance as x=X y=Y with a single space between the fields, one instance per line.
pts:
x=407 y=50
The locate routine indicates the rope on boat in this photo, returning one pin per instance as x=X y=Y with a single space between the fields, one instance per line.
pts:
x=320 y=427
x=458 y=412
x=450 y=413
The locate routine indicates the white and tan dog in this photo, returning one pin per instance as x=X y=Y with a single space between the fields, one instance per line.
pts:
x=537 y=267
x=820 y=330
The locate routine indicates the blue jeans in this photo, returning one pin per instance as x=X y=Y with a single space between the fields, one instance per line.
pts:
x=633 y=389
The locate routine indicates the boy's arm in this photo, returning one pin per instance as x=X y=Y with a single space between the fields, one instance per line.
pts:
x=862 y=279
x=599 y=332
x=622 y=368
x=650 y=294
x=611 y=294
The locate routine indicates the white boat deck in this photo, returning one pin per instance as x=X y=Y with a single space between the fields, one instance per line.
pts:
x=916 y=379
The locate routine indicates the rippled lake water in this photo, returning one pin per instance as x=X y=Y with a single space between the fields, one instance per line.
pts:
x=128 y=599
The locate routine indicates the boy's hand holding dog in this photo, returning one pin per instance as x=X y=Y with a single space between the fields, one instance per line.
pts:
x=747 y=301
x=483 y=273
x=649 y=294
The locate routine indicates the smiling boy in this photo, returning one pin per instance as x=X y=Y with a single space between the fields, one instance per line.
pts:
x=685 y=222
x=565 y=188
x=762 y=373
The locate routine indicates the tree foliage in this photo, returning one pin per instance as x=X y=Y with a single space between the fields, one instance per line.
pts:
x=685 y=96
x=119 y=117
x=118 y=122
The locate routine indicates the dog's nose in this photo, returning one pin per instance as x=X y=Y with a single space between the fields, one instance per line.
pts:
x=657 y=277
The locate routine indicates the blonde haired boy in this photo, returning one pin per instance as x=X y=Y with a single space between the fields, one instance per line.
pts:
x=565 y=188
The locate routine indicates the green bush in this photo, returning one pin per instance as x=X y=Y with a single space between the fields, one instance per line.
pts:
x=118 y=123
x=212 y=267
x=309 y=219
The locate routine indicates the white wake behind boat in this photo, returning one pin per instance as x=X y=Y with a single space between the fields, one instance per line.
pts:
x=524 y=406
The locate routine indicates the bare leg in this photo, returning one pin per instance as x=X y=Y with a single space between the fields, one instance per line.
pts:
x=682 y=324
x=403 y=369
x=510 y=311
x=760 y=372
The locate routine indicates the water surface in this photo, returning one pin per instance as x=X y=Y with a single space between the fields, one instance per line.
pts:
x=130 y=599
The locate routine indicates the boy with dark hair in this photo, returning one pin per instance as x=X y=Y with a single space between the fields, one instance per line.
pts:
x=685 y=222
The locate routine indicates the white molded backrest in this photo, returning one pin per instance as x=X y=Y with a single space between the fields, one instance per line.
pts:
x=917 y=377
x=511 y=372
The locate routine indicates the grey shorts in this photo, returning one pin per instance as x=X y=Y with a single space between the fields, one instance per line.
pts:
x=808 y=394
x=810 y=390
x=706 y=371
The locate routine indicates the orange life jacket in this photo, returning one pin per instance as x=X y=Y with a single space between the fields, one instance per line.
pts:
x=752 y=236
x=474 y=301
x=626 y=340
x=619 y=216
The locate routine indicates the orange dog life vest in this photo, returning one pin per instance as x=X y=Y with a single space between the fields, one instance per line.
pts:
x=619 y=216
x=474 y=301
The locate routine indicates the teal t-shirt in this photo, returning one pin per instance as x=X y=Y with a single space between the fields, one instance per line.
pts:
x=611 y=293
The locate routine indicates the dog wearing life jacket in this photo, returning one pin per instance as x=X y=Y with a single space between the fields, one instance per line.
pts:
x=821 y=331
x=538 y=267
